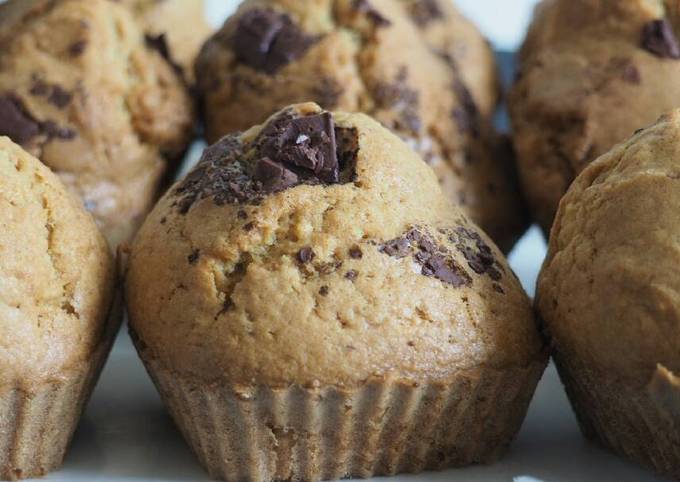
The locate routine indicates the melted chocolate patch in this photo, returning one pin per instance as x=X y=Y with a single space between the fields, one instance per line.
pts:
x=435 y=260
x=290 y=150
x=15 y=121
x=658 y=38
x=159 y=43
x=400 y=98
x=267 y=40
x=425 y=11
x=477 y=253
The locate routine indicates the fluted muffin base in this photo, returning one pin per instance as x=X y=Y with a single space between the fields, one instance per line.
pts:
x=37 y=421
x=641 y=423
x=382 y=428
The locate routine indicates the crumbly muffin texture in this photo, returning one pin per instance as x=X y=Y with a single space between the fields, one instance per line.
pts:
x=609 y=295
x=390 y=59
x=81 y=89
x=300 y=253
x=591 y=73
x=57 y=275
x=177 y=27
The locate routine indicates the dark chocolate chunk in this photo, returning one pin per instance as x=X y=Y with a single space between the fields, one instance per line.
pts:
x=267 y=40
x=77 y=48
x=425 y=11
x=355 y=252
x=365 y=7
x=52 y=129
x=352 y=274
x=307 y=143
x=15 y=121
x=193 y=257
x=397 y=248
x=658 y=38
x=477 y=253
x=323 y=291
x=59 y=97
x=274 y=176
x=306 y=255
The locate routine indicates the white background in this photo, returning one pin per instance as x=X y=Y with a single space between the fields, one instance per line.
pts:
x=126 y=435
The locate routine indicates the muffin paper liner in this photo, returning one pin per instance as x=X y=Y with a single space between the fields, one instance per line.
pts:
x=38 y=421
x=385 y=427
x=641 y=423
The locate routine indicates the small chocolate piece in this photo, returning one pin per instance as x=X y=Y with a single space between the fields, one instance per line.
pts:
x=397 y=248
x=327 y=92
x=249 y=226
x=40 y=88
x=267 y=40
x=77 y=48
x=323 y=291
x=631 y=74
x=402 y=99
x=15 y=121
x=658 y=38
x=498 y=288
x=193 y=257
x=476 y=252
x=306 y=255
x=52 y=129
x=274 y=176
x=59 y=97
x=365 y=7
x=466 y=115
x=352 y=274
x=355 y=252
x=425 y=11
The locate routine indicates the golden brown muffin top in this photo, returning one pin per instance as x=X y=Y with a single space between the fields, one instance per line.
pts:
x=318 y=248
x=81 y=89
x=56 y=270
x=591 y=73
x=609 y=291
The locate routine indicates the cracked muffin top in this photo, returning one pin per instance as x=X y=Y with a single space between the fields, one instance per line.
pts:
x=301 y=252
x=177 y=27
x=56 y=270
x=82 y=90
x=609 y=291
x=390 y=59
x=591 y=73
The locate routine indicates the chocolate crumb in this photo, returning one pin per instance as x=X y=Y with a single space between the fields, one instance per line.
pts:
x=249 y=226
x=659 y=39
x=498 y=288
x=424 y=12
x=164 y=220
x=355 y=252
x=241 y=214
x=352 y=274
x=323 y=291
x=267 y=40
x=306 y=255
x=193 y=257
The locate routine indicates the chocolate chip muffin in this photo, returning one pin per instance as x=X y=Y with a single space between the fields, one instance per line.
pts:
x=81 y=90
x=380 y=57
x=609 y=294
x=177 y=28
x=591 y=73
x=57 y=310
x=311 y=307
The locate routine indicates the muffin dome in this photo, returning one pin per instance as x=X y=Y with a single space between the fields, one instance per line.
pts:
x=177 y=27
x=81 y=90
x=375 y=57
x=609 y=294
x=591 y=73
x=55 y=300
x=317 y=251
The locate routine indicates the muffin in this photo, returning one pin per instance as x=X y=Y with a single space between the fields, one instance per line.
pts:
x=591 y=72
x=311 y=309
x=81 y=90
x=379 y=58
x=177 y=27
x=57 y=309
x=609 y=295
